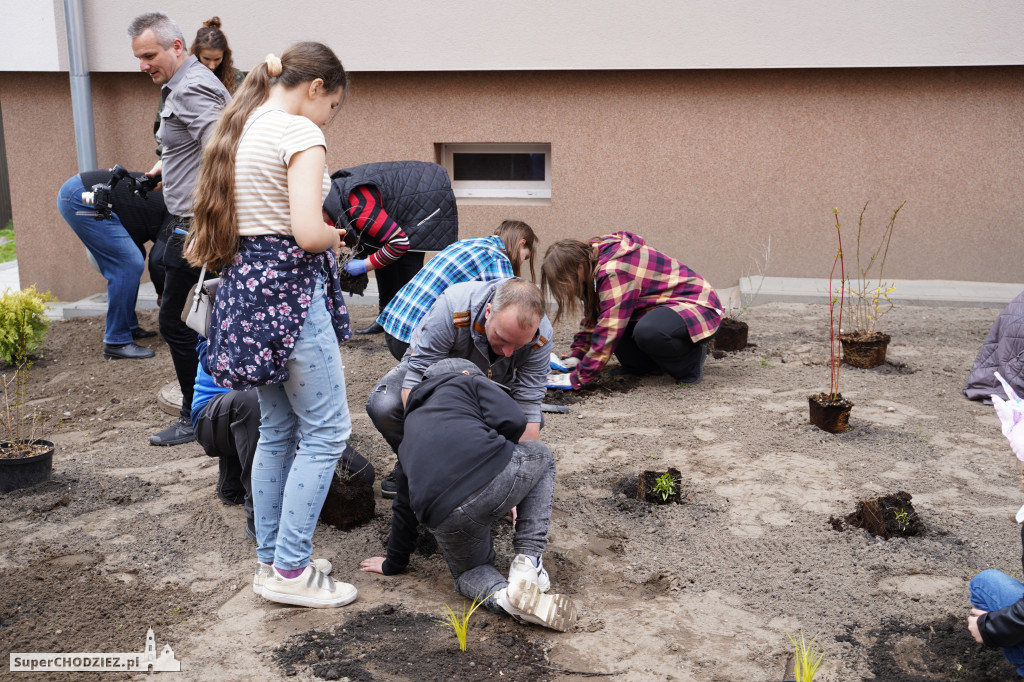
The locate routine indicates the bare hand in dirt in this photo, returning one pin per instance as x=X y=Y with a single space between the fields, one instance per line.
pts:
x=972 y=625
x=374 y=564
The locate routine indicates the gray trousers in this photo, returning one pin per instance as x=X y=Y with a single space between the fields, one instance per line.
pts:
x=464 y=536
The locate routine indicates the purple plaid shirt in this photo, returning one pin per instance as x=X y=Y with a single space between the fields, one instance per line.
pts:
x=631 y=278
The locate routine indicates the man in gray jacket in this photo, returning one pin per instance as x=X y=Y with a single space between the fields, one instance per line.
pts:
x=499 y=326
x=192 y=101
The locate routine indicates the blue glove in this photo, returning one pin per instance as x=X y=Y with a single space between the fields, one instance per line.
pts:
x=356 y=267
x=563 y=364
x=560 y=381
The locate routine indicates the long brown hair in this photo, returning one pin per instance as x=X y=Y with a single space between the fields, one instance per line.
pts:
x=210 y=37
x=512 y=232
x=213 y=237
x=560 y=278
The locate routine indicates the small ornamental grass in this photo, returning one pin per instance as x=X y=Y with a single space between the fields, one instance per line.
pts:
x=806 y=658
x=459 y=621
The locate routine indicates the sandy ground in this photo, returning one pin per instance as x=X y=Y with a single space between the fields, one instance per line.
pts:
x=128 y=536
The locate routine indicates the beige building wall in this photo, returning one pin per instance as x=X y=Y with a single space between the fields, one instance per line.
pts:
x=704 y=164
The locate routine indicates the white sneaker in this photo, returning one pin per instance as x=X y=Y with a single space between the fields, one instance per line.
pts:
x=311 y=588
x=525 y=602
x=522 y=569
x=265 y=572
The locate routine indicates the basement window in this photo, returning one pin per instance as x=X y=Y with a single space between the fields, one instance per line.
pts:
x=499 y=171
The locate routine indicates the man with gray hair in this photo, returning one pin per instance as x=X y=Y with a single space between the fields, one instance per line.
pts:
x=192 y=98
x=499 y=326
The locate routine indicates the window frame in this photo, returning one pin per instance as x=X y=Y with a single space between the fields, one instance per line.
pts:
x=498 y=189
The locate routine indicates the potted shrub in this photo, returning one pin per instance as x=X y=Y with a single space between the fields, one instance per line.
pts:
x=732 y=332
x=25 y=458
x=830 y=411
x=865 y=346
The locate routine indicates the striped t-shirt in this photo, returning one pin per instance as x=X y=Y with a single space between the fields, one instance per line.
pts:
x=261 y=169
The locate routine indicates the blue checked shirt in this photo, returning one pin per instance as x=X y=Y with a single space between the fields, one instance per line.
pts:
x=467 y=260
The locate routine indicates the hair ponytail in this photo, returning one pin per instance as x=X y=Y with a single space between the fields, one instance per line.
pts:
x=512 y=232
x=213 y=237
x=210 y=37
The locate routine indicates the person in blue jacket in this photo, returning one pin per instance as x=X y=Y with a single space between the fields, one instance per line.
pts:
x=997 y=618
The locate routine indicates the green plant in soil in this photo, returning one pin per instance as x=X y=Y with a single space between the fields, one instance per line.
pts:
x=835 y=323
x=806 y=658
x=869 y=295
x=901 y=519
x=664 y=486
x=459 y=621
x=23 y=327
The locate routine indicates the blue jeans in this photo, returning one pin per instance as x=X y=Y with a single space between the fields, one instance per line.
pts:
x=992 y=590
x=119 y=259
x=290 y=478
x=464 y=536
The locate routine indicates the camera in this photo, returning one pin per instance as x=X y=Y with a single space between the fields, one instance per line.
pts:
x=100 y=196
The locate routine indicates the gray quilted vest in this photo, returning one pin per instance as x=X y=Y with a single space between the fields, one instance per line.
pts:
x=416 y=194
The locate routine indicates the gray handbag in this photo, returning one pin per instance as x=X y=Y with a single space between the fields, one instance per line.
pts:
x=196 y=314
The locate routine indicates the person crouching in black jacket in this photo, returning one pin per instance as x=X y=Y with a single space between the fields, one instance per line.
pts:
x=461 y=468
x=997 y=618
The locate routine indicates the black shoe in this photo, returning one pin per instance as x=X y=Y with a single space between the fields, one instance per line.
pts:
x=250 y=528
x=697 y=378
x=126 y=351
x=229 y=483
x=389 y=486
x=176 y=434
x=372 y=329
x=140 y=333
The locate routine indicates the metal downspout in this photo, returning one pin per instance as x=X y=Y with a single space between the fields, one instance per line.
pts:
x=81 y=90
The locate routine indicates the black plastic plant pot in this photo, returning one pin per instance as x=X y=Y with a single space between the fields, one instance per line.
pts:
x=23 y=472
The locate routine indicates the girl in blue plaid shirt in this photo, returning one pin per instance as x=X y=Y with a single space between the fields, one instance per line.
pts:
x=497 y=256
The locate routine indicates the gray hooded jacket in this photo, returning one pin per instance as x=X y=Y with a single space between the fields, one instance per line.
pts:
x=454 y=328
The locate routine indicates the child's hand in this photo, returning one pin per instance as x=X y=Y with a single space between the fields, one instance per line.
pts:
x=374 y=564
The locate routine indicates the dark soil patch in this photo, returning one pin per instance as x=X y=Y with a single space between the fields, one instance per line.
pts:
x=863 y=349
x=631 y=497
x=731 y=335
x=647 y=487
x=606 y=384
x=349 y=503
x=390 y=643
x=887 y=517
x=943 y=650
x=830 y=415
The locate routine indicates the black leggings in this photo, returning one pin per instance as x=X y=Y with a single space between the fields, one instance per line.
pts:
x=179 y=277
x=657 y=343
x=393 y=277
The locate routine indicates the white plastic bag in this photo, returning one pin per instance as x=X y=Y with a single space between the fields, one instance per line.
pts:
x=1011 y=416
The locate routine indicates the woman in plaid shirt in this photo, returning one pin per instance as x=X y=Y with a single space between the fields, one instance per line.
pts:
x=654 y=313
